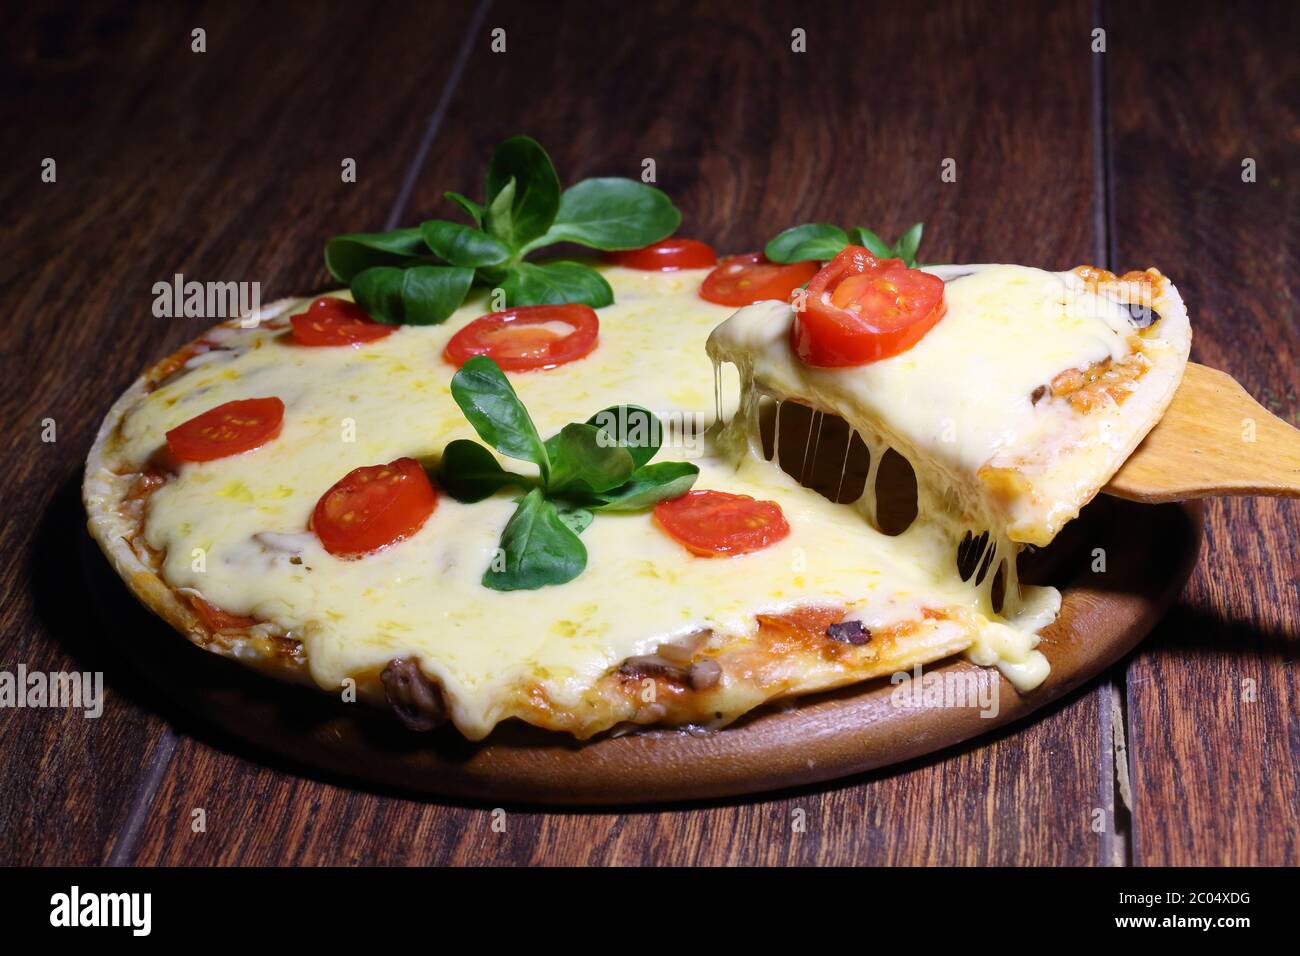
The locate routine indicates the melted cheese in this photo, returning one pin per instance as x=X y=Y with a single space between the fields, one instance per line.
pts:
x=960 y=400
x=234 y=529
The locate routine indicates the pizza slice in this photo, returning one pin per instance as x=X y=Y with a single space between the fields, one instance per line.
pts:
x=1016 y=403
x=1014 y=393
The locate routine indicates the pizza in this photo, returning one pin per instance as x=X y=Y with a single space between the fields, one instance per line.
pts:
x=562 y=508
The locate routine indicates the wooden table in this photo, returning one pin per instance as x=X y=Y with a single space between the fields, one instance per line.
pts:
x=226 y=165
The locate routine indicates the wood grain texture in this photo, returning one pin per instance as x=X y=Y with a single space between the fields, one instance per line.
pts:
x=1216 y=775
x=223 y=165
x=1214 y=439
x=231 y=171
x=796 y=137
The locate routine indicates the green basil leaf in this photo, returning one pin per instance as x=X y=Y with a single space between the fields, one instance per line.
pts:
x=611 y=213
x=488 y=400
x=648 y=486
x=875 y=245
x=811 y=241
x=908 y=243
x=536 y=197
x=355 y=252
x=419 y=295
x=553 y=283
x=583 y=464
x=498 y=218
x=469 y=472
x=631 y=427
x=538 y=549
x=576 y=518
x=473 y=209
x=463 y=245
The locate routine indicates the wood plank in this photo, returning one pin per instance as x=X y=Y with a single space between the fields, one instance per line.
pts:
x=992 y=801
x=223 y=165
x=1216 y=776
x=749 y=137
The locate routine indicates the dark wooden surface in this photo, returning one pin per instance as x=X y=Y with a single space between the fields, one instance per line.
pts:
x=1230 y=765
x=225 y=165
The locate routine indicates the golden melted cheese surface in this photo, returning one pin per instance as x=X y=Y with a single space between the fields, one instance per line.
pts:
x=235 y=529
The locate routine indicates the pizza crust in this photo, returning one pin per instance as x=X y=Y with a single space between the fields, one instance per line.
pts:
x=105 y=494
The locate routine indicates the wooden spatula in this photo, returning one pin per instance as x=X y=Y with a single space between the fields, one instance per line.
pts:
x=1213 y=440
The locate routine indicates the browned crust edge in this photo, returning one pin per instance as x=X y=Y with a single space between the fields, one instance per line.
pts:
x=103 y=492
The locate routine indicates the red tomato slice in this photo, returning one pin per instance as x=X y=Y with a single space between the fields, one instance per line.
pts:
x=216 y=619
x=524 y=338
x=862 y=309
x=331 y=321
x=666 y=256
x=372 y=507
x=227 y=429
x=744 y=280
x=715 y=523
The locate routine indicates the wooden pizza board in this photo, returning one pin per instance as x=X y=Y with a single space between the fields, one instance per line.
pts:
x=1148 y=552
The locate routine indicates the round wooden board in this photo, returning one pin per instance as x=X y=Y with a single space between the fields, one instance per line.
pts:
x=1148 y=553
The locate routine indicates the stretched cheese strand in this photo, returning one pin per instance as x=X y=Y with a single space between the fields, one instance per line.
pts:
x=951 y=500
x=1008 y=636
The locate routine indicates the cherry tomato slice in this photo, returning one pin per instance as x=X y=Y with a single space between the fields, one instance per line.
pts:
x=331 y=321
x=861 y=309
x=227 y=429
x=527 y=337
x=372 y=507
x=744 y=280
x=216 y=619
x=668 y=255
x=716 y=523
